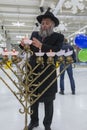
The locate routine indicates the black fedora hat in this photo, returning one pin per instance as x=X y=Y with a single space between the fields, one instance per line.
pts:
x=48 y=15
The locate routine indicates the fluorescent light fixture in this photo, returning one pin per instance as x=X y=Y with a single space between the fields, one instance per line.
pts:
x=19 y=36
x=18 y=42
x=18 y=24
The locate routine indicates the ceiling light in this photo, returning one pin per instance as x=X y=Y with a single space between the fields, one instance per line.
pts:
x=19 y=36
x=18 y=24
x=18 y=42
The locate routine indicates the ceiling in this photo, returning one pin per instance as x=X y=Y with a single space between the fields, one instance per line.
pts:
x=71 y=13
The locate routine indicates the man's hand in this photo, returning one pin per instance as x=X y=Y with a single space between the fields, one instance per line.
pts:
x=36 y=43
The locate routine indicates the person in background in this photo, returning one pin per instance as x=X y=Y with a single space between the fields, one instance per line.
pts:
x=45 y=40
x=67 y=47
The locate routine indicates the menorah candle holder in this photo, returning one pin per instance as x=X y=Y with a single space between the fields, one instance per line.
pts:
x=27 y=81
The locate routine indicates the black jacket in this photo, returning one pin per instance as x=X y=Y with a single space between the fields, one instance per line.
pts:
x=53 y=42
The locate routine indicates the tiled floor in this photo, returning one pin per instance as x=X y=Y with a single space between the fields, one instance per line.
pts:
x=70 y=111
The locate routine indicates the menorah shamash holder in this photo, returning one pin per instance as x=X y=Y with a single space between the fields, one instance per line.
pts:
x=26 y=84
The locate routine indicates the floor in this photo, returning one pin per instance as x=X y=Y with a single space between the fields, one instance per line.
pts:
x=70 y=111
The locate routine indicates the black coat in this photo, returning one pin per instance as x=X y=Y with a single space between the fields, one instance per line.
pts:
x=53 y=42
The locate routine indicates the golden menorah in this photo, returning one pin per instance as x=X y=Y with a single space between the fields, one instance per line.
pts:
x=27 y=77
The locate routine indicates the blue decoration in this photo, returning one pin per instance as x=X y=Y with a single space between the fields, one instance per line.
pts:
x=81 y=41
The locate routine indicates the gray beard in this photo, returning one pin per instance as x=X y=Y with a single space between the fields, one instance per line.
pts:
x=45 y=33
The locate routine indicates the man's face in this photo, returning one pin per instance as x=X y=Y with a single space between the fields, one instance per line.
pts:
x=47 y=26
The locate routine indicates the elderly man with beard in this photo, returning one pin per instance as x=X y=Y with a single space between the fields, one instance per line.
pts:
x=45 y=40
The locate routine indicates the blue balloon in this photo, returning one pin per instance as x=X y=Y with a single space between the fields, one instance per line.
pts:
x=81 y=41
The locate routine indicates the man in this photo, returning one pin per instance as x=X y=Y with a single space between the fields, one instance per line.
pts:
x=45 y=40
x=67 y=47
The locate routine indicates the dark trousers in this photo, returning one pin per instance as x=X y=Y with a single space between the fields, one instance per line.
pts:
x=48 y=106
x=70 y=74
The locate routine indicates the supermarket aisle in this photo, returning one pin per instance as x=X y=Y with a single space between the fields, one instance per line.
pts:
x=69 y=111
